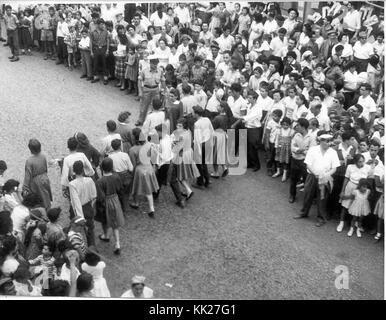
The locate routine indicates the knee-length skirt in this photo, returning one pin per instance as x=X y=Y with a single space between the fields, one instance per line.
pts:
x=41 y=186
x=145 y=181
x=114 y=213
x=186 y=167
x=120 y=67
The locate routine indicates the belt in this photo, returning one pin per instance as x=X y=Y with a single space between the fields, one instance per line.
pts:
x=151 y=87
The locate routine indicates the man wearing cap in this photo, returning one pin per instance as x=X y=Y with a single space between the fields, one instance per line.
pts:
x=363 y=50
x=120 y=20
x=99 y=47
x=151 y=79
x=322 y=162
x=11 y=23
x=138 y=289
x=327 y=45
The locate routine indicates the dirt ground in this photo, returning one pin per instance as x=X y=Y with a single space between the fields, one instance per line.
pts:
x=235 y=241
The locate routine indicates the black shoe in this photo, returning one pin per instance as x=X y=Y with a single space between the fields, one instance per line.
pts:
x=89 y=78
x=2 y=39
x=94 y=80
x=105 y=82
x=189 y=196
x=291 y=199
x=10 y=58
x=301 y=216
x=214 y=176
x=197 y=186
x=181 y=203
x=117 y=251
x=151 y=214
x=225 y=173
x=83 y=76
x=133 y=206
x=156 y=195
x=5 y=45
x=103 y=239
x=15 y=59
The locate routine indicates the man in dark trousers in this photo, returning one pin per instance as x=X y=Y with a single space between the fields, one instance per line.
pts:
x=11 y=23
x=99 y=47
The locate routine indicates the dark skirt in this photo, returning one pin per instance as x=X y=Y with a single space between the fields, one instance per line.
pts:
x=25 y=38
x=114 y=213
x=41 y=186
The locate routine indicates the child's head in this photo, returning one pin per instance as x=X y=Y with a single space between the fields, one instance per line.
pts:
x=197 y=61
x=47 y=250
x=363 y=185
x=285 y=123
x=53 y=214
x=363 y=146
x=3 y=167
x=276 y=115
x=11 y=186
x=182 y=59
x=84 y=33
x=84 y=283
x=92 y=259
x=198 y=84
x=107 y=165
x=252 y=97
x=116 y=144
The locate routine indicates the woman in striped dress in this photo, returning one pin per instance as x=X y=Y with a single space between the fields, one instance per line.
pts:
x=120 y=56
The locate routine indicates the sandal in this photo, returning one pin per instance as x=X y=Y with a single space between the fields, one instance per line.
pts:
x=103 y=239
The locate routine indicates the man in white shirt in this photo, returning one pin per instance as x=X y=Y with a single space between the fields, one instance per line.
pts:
x=322 y=162
x=363 y=50
x=203 y=146
x=315 y=112
x=225 y=64
x=163 y=158
x=270 y=26
x=182 y=13
x=291 y=46
x=252 y=121
x=206 y=34
x=379 y=45
x=352 y=21
x=154 y=118
x=368 y=104
x=279 y=42
x=225 y=41
x=83 y=195
x=236 y=102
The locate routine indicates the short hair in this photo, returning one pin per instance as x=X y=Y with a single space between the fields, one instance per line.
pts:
x=186 y=88
x=192 y=46
x=347 y=135
x=359 y=107
x=326 y=86
x=227 y=52
x=278 y=112
x=286 y=120
x=314 y=122
x=91 y=258
x=84 y=30
x=292 y=55
x=53 y=214
x=8 y=7
x=375 y=143
x=157 y=103
x=84 y=282
x=198 y=110
x=236 y=87
x=77 y=167
x=107 y=165
x=183 y=122
x=175 y=92
x=100 y=21
x=199 y=82
x=303 y=123
x=95 y=15
x=210 y=64
x=116 y=144
x=111 y=125
x=72 y=143
x=339 y=47
x=58 y=288
x=317 y=93
x=253 y=94
x=282 y=30
x=34 y=146
x=367 y=86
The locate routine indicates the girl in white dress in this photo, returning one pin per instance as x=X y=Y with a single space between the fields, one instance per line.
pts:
x=94 y=266
x=360 y=207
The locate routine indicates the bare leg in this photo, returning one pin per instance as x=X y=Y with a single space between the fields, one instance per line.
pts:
x=151 y=202
x=116 y=237
x=187 y=187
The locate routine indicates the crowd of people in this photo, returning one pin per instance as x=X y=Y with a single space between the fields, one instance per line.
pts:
x=309 y=93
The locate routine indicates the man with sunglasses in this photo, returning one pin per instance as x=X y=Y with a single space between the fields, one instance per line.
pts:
x=322 y=162
x=363 y=50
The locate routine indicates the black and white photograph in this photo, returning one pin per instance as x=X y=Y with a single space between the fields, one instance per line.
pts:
x=192 y=150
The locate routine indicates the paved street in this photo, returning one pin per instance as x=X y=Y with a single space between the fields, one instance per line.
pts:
x=235 y=241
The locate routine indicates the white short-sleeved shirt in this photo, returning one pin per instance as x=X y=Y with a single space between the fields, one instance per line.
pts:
x=237 y=106
x=319 y=162
x=355 y=174
x=368 y=105
x=363 y=51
